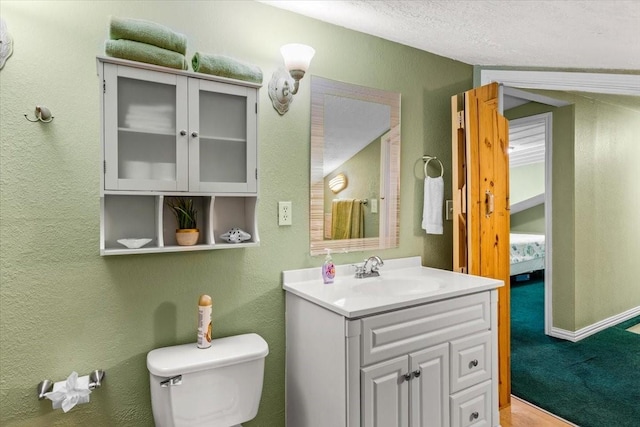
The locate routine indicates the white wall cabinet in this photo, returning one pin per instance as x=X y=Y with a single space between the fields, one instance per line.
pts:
x=430 y=365
x=168 y=133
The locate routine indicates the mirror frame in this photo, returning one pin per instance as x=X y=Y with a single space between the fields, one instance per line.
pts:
x=389 y=206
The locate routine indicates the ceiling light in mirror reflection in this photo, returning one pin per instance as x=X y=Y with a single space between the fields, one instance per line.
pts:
x=338 y=183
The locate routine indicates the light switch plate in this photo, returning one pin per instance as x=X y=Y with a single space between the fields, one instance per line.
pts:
x=449 y=210
x=374 y=205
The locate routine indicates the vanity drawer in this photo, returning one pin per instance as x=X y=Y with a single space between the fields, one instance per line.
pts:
x=470 y=360
x=388 y=335
x=472 y=407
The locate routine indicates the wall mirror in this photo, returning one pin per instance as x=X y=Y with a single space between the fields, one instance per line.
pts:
x=355 y=167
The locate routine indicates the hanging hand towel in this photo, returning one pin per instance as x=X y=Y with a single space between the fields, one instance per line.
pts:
x=224 y=66
x=147 y=32
x=432 y=209
x=141 y=52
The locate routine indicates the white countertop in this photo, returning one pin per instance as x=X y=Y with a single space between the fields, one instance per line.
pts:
x=403 y=282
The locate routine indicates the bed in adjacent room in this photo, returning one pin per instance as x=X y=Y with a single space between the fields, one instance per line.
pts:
x=527 y=253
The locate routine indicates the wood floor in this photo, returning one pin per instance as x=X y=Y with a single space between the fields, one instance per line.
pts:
x=523 y=414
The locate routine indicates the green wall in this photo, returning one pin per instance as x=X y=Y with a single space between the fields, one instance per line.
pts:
x=525 y=182
x=529 y=220
x=607 y=204
x=65 y=308
x=363 y=182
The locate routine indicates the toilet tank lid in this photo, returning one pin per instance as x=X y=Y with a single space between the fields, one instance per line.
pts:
x=187 y=358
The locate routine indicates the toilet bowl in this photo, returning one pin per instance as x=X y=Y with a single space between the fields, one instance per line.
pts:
x=219 y=386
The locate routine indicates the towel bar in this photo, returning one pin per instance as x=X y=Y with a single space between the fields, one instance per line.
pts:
x=427 y=159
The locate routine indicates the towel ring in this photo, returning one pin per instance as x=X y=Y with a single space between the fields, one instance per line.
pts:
x=427 y=159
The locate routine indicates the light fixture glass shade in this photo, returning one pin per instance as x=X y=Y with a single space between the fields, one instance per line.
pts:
x=338 y=183
x=297 y=56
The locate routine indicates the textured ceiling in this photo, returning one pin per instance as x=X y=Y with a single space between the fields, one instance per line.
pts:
x=585 y=34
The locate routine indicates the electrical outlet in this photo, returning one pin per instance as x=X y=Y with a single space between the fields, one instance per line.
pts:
x=284 y=213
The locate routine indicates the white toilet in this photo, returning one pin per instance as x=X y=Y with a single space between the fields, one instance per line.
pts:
x=215 y=387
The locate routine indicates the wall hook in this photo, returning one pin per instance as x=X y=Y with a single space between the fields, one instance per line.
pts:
x=42 y=114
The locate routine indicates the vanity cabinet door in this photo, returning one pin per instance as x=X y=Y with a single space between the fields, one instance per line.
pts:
x=144 y=129
x=222 y=137
x=430 y=387
x=385 y=394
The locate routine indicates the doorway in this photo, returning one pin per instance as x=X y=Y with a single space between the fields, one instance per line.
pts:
x=530 y=144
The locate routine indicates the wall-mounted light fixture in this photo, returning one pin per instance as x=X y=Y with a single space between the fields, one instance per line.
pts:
x=42 y=114
x=338 y=183
x=297 y=58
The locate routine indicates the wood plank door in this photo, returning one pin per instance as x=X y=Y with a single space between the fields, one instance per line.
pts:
x=481 y=204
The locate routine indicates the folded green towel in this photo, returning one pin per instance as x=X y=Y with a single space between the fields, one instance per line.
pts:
x=141 y=52
x=224 y=66
x=148 y=32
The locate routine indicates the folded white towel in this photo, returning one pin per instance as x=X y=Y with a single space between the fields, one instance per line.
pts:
x=432 y=209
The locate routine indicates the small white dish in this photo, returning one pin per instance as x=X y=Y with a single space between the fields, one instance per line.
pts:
x=134 y=243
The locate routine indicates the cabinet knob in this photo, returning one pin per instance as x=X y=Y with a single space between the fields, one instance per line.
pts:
x=183 y=132
x=416 y=374
x=407 y=377
x=475 y=415
x=194 y=134
x=473 y=363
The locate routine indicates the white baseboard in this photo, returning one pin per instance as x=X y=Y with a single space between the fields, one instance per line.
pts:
x=596 y=327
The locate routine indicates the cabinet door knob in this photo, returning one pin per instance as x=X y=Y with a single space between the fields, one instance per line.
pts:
x=183 y=132
x=194 y=134
x=416 y=374
x=407 y=377
x=473 y=363
x=475 y=415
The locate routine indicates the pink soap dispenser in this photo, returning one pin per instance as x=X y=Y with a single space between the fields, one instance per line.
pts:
x=328 y=268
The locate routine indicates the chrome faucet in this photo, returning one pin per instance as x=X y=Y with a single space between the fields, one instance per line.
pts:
x=376 y=262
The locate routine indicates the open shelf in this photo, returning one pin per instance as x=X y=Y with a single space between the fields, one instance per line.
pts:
x=149 y=216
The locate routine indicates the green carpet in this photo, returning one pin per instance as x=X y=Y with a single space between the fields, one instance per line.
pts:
x=593 y=383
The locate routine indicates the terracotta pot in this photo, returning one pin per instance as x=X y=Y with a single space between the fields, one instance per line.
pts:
x=187 y=236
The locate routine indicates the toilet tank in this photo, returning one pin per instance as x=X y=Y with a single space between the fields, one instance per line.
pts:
x=219 y=386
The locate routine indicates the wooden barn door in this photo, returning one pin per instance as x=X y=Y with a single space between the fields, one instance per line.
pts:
x=481 y=204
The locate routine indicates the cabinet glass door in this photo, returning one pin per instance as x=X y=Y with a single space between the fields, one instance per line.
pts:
x=145 y=130
x=222 y=152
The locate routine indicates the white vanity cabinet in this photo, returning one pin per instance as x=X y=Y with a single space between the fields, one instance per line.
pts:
x=169 y=133
x=428 y=364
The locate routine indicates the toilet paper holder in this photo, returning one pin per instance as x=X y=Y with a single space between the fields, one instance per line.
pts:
x=95 y=381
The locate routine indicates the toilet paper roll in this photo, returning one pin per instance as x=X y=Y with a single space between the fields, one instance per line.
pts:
x=69 y=393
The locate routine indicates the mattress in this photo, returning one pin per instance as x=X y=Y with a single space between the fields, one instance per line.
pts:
x=527 y=253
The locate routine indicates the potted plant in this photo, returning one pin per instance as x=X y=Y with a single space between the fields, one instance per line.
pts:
x=186 y=215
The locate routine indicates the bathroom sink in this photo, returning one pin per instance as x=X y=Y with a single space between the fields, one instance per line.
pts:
x=402 y=282
x=396 y=286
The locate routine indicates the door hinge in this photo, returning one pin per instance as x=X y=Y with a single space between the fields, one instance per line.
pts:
x=461 y=119
x=256 y=108
x=104 y=86
x=104 y=167
x=256 y=173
